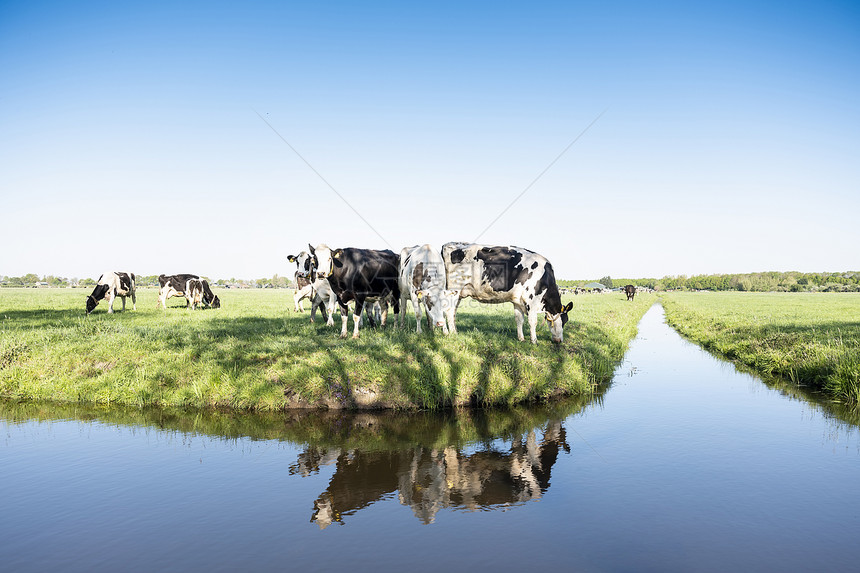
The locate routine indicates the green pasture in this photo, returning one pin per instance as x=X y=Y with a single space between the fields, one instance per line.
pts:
x=812 y=339
x=254 y=353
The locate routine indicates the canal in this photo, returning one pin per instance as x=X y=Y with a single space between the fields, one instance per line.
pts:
x=682 y=464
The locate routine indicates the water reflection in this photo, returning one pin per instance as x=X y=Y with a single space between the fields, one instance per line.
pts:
x=458 y=460
x=429 y=479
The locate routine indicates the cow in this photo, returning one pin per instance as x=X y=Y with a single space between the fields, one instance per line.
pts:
x=194 y=292
x=304 y=276
x=359 y=275
x=308 y=285
x=112 y=285
x=422 y=279
x=630 y=291
x=179 y=285
x=506 y=274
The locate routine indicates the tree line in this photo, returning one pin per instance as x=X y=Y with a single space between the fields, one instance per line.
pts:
x=748 y=282
x=34 y=280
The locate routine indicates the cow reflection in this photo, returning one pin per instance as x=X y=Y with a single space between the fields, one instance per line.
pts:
x=430 y=479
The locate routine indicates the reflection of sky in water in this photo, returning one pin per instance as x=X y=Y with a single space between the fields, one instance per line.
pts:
x=684 y=464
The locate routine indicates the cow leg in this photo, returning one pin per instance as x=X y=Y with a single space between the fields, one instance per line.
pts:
x=384 y=314
x=332 y=305
x=123 y=303
x=416 y=306
x=533 y=320
x=133 y=300
x=518 y=314
x=344 y=317
x=451 y=313
x=318 y=303
x=297 y=301
x=110 y=302
x=400 y=317
x=356 y=317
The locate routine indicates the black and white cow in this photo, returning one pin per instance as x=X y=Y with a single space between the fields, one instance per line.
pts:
x=112 y=285
x=630 y=291
x=310 y=286
x=422 y=279
x=359 y=275
x=194 y=292
x=506 y=274
x=178 y=285
x=304 y=276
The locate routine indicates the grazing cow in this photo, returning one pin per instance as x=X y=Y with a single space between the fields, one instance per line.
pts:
x=194 y=292
x=308 y=285
x=112 y=285
x=630 y=291
x=422 y=279
x=179 y=285
x=506 y=274
x=359 y=275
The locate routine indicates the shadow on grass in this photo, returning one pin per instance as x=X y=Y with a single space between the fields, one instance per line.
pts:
x=484 y=364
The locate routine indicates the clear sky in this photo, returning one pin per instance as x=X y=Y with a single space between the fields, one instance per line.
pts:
x=727 y=134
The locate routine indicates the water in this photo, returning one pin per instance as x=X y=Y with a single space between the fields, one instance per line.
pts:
x=684 y=464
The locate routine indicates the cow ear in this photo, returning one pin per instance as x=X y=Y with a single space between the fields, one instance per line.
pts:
x=337 y=254
x=420 y=294
x=291 y=258
x=567 y=307
x=311 y=247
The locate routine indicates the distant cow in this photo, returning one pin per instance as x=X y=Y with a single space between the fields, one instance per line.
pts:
x=185 y=285
x=309 y=285
x=422 y=279
x=112 y=285
x=359 y=275
x=506 y=274
x=630 y=291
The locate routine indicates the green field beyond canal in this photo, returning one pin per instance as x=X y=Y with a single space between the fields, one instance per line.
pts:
x=254 y=353
x=811 y=339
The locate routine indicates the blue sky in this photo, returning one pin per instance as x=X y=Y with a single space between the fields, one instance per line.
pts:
x=726 y=139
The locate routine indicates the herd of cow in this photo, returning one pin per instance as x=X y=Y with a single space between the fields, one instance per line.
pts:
x=373 y=280
x=117 y=284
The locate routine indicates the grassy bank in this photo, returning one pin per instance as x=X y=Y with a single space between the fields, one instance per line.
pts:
x=812 y=339
x=255 y=354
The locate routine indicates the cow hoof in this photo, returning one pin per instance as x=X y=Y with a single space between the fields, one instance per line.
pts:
x=354 y=336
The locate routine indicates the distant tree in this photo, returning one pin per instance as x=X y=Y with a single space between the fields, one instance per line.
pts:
x=606 y=281
x=30 y=279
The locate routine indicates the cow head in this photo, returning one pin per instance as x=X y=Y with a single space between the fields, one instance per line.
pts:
x=304 y=263
x=216 y=302
x=97 y=295
x=324 y=259
x=556 y=322
x=438 y=301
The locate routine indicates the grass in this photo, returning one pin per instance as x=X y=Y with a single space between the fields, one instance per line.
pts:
x=256 y=354
x=811 y=339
